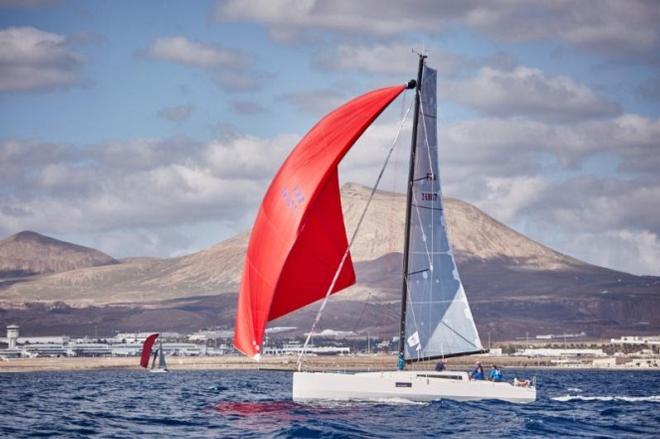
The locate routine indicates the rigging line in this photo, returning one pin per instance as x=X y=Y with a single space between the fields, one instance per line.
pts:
x=364 y=308
x=459 y=334
x=350 y=244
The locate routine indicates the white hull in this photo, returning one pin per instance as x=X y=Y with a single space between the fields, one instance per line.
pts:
x=408 y=385
x=158 y=370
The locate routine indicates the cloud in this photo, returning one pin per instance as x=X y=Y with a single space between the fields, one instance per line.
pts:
x=592 y=204
x=613 y=28
x=627 y=29
x=152 y=187
x=528 y=92
x=247 y=107
x=515 y=146
x=508 y=196
x=17 y=158
x=249 y=157
x=180 y=50
x=136 y=186
x=391 y=59
x=177 y=113
x=31 y=59
x=230 y=69
x=630 y=251
x=371 y=17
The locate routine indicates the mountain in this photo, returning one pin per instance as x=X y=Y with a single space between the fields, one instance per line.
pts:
x=515 y=285
x=28 y=253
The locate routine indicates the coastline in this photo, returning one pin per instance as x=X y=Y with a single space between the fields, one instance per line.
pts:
x=285 y=363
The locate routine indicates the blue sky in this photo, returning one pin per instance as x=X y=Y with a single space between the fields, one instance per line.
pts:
x=153 y=128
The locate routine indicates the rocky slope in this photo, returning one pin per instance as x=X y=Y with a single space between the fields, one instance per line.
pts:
x=217 y=269
x=28 y=253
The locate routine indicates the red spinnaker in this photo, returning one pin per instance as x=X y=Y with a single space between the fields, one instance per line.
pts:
x=146 y=349
x=299 y=237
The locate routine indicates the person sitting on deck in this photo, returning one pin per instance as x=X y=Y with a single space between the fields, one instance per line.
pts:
x=521 y=383
x=495 y=374
x=440 y=366
x=477 y=373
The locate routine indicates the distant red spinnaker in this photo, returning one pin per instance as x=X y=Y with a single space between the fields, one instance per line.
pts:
x=146 y=349
x=299 y=237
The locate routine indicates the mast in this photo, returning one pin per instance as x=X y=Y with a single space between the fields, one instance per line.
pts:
x=411 y=175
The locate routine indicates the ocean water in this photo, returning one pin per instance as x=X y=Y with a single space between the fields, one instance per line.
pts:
x=258 y=404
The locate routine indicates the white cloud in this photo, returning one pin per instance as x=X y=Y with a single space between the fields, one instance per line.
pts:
x=138 y=184
x=230 y=69
x=32 y=59
x=632 y=251
x=611 y=27
x=371 y=17
x=196 y=54
x=496 y=146
x=507 y=197
x=391 y=59
x=528 y=92
x=249 y=157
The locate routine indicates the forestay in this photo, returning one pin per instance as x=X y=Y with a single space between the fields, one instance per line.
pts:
x=439 y=322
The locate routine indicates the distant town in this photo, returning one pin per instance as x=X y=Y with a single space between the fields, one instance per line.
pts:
x=562 y=350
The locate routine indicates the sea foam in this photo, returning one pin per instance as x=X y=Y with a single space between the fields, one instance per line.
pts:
x=565 y=398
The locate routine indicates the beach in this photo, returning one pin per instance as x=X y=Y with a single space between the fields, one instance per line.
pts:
x=285 y=363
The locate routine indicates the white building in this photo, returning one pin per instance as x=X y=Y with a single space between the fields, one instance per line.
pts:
x=637 y=340
x=548 y=352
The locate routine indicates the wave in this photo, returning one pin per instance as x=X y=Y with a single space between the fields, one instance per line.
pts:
x=396 y=401
x=565 y=398
x=371 y=401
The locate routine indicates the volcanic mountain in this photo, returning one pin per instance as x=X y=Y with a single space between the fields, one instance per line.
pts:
x=28 y=253
x=515 y=285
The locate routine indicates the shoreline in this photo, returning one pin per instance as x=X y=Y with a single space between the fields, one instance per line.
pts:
x=285 y=364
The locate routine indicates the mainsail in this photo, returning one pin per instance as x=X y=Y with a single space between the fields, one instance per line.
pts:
x=438 y=322
x=161 y=356
x=146 y=349
x=299 y=237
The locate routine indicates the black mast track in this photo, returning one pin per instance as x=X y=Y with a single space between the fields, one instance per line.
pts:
x=401 y=364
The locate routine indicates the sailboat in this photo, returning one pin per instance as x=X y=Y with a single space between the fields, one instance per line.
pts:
x=299 y=253
x=158 y=354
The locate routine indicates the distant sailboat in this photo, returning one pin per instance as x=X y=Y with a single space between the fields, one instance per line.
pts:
x=299 y=253
x=147 y=352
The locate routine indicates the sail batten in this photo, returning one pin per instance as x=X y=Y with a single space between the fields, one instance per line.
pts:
x=299 y=237
x=439 y=321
